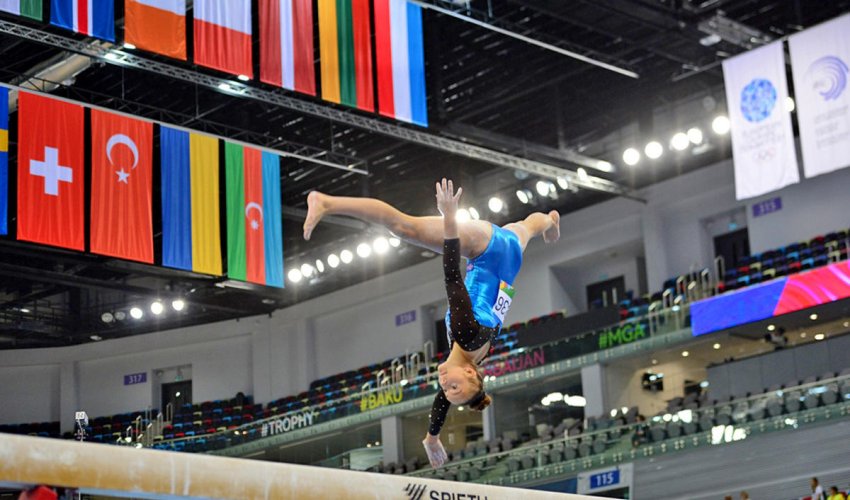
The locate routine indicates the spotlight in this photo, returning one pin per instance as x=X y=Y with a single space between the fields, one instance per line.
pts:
x=524 y=196
x=685 y=354
x=790 y=106
x=544 y=188
x=346 y=256
x=380 y=245
x=653 y=150
x=294 y=275
x=680 y=141
x=582 y=173
x=307 y=270
x=364 y=250
x=333 y=260
x=244 y=78
x=770 y=328
x=462 y=215
x=577 y=401
x=496 y=204
x=320 y=266
x=136 y=313
x=819 y=336
x=604 y=166
x=395 y=242
x=129 y=46
x=157 y=308
x=631 y=157
x=96 y=338
x=813 y=316
x=120 y=315
x=721 y=125
x=178 y=304
x=716 y=346
x=695 y=135
x=563 y=183
x=474 y=213
x=107 y=317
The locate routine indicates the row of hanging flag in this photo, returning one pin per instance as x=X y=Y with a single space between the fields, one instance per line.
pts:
x=222 y=33
x=51 y=189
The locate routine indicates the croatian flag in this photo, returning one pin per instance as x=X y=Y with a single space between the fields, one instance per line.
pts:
x=400 y=61
x=223 y=35
x=89 y=17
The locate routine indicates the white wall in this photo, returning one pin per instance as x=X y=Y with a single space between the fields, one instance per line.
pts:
x=353 y=327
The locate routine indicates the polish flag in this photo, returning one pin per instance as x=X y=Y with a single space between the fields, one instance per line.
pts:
x=156 y=26
x=223 y=35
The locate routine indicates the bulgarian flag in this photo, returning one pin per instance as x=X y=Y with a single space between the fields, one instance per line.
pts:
x=26 y=8
x=254 y=226
x=345 y=49
x=400 y=61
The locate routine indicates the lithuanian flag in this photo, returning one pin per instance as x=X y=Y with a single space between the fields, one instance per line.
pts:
x=345 y=49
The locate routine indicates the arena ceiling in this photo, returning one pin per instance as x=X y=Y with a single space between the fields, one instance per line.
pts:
x=485 y=88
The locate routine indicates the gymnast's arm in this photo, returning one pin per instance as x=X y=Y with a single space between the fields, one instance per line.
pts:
x=433 y=447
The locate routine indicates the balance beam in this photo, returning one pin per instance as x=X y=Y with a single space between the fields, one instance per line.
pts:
x=145 y=473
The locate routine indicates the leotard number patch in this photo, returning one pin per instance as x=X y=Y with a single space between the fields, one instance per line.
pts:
x=503 y=301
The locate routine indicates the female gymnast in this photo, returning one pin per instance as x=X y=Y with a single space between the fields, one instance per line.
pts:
x=477 y=307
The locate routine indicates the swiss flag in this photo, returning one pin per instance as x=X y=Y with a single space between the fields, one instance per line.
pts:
x=50 y=172
x=121 y=150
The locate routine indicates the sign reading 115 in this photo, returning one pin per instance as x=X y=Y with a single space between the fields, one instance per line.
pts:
x=608 y=478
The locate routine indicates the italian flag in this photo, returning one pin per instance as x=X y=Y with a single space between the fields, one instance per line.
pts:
x=26 y=8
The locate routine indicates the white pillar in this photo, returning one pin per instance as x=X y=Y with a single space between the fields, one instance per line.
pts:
x=488 y=419
x=593 y=390
x=69 y=395
x=391 y=440
x=654 y=248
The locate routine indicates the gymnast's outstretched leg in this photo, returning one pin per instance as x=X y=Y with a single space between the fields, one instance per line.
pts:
x=426 y=232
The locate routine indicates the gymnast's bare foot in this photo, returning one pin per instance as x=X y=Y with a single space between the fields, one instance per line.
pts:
x=552 y=234
x=315 y=211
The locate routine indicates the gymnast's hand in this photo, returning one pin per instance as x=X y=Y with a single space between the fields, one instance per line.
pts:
x=434 y=448
x=447 y=199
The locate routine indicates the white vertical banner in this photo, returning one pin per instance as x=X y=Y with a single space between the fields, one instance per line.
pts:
x=820 y=57
x=762 y=138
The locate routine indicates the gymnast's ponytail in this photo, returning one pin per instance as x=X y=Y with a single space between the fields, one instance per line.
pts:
x=482 y=403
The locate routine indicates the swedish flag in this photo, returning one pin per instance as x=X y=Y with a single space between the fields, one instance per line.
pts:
x=4 y=159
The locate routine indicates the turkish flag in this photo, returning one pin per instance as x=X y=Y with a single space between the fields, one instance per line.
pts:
x=121 y=150
x=50 y=172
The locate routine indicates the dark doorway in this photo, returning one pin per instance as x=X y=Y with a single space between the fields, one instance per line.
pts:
x=441 y=332
x=732 y=246
x=606 y=293
x=176 y=393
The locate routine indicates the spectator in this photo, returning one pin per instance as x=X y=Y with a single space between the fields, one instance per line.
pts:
x=641 y=431
x=834 y=494
x=817 y=490
x=745 y=495
x=727 y=497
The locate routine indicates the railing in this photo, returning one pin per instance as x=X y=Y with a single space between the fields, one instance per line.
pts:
x=659 y=322
x=721 y=423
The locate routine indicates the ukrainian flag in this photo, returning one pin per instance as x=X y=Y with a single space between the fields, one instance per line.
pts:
x=191 y=238
x=4 y=160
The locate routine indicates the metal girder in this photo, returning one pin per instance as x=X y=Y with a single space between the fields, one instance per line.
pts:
x=512 y=30
x=278 y=98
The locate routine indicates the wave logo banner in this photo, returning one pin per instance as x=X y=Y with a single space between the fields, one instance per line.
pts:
x=762 y=139
x=820 y=57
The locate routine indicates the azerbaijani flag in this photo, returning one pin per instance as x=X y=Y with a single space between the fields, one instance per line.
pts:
x=191 y=238
x=223 y=35
x=286 y=44
x=345 y=50
x=89 y=17
x=254 y=226
x=400 y=61
x=156 y=25
x=4 y=160
x=26 y=8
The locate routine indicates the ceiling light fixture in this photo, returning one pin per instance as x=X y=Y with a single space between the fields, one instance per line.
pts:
x=474 y=213
x=680 y=141
x=462 y=215
x=685 y=354
x=394 y=242
x=582 y=174
x=653 y=150
x=524 y=196
x=178 y=304
x=320 y=266
x=563 y=183
x=107 y=317
x=333 y=260
x=136 y=313
x=380 y=245
x=346 y=256
x=364 y=250
x=716 y=346
x=695 y=135
x=157 y=308
x=631 y=157
x=721 y=125
x=496 y=204
x=294 y=275
x=820 y=336
x=813 y=316
x=307 y=270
